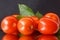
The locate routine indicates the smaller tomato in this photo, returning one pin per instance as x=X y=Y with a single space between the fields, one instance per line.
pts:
x=47 y=37
x=26 y=38
x=9 y=37
x=15 y=15
x=52 y=16
x=25 y=26
x=35 y=20
x=9 y=24
x=15 y=33
x=47 y=26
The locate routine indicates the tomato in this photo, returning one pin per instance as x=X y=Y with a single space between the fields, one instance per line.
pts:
x=26 y=38
x=48 y=26
x=9 y=24
x=52 y=16
x=47 y=37
x=35 y=20
x=9 y=37
x=25 y=26
x=15 y=15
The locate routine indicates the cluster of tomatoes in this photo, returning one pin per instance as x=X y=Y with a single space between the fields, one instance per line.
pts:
x=48 y=24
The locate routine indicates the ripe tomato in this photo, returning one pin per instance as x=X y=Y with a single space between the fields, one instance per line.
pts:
x=9 y=37
x=48 y=26
x=15 y=33
x=47 y=37
x=25 y=26
x=9 y=24
x=26 y=38
x=15 y=15
x=35 y=20
x=52 y=16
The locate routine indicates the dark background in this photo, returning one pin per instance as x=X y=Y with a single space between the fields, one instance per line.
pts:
x=9 y=7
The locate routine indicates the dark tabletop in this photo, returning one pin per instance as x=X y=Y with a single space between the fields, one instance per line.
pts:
x=8 y=7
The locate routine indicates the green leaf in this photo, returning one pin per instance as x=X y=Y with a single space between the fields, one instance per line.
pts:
x=25 y=10
x=58 y=34
x=20 y=35
x=58 y=37
x=19 y=17
x=39 y=15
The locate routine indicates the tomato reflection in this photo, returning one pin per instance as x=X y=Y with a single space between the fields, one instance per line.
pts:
x=9 y=37
x=26 y=38
x=32 y=37
x=47 y=37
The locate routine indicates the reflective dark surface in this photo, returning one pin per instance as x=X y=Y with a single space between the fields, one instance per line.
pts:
x=1 y=35
x=8 y=7
x=34 y=36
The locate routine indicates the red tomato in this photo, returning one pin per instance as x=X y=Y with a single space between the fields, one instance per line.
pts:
x=47 y=37
x=15 y=15
x=25 y=26
x=35 y=20
x=26 y=38
x=9 y=37
x=9 y=24
x=52 y=16
x=48 y=26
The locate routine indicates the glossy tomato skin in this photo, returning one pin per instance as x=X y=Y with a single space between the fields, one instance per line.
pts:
x=48 y=26
x=47 y=37
x=25 y=26
x=9 y=24
x=10 y=37
x=52 y=16
x=26 y=38
x=35 y=20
